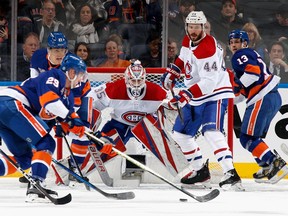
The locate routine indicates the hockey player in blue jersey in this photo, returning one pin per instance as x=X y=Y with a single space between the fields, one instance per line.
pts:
x=255 y=84
x=46 y=59
x=25 y=111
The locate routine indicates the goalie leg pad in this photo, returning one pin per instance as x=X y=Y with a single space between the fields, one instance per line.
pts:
x=151 y=134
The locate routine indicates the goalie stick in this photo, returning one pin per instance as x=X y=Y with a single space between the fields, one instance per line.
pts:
x=99 y=164
x=211 y=195
x=57 y=201
x=284 y=148
x=118 y=196
x=178 y=108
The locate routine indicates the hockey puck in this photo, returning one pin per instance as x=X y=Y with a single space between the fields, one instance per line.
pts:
x=183 y=200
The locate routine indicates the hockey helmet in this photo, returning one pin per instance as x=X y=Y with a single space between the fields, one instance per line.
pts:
x=238 y=34
x=57 y=40
x=196 y=17
x=75 y=62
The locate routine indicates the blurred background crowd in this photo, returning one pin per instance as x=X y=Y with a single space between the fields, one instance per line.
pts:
x=103 y=32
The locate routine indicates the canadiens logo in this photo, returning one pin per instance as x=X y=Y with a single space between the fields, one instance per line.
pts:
x=188 y=70
x=133 y=117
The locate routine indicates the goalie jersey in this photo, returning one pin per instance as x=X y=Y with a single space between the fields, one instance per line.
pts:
x=124 y=109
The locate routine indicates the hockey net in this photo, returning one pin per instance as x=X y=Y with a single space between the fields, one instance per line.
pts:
x=100 y=76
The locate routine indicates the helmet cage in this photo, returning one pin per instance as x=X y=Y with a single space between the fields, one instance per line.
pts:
x=135 y=76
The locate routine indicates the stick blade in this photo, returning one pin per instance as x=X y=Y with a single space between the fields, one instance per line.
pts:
x=210 y=196
x=122 y=196
x=63 y=200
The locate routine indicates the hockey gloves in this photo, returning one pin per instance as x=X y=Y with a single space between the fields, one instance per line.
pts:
x=183 y=97
x=106 y=148
x=74 y=123
x=168 y=79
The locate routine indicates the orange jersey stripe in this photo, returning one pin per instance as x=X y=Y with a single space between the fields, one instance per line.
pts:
x=48 y=97
x=43 y=157
x=254 y=69
x=259 y=150
x=19 y=89
x=257 y=88
x=253 y=117
x=86 y=88
x=34 y=122
x=10 y=168
x=79 y=150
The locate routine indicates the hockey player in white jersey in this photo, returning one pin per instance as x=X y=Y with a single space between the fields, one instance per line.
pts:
x=203 y=102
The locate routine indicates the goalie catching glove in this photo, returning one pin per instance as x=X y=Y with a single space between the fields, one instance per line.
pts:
x=106 y=148
x=183 y=97
x=168 y=79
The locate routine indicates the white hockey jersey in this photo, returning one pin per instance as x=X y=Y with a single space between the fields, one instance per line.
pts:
x=204 y=69
x=124 y=109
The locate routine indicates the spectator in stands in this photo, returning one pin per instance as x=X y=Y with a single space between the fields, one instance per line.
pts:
x=153 y=57
x=83 y=29
x=5 y=67
x=25 y=22
x=277 y=64
x=30 y=45
x=3 y=29
x=112 y=53
x=228 y=21
x=114 y=11
x=48 y=23
x=173 y=50
x=255 y=40
x=279 y=28
x=83 y=51
x=176 y=24
x=154 y=14
x=121 y=46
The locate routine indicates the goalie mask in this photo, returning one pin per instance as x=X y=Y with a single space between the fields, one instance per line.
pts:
x=135 y=76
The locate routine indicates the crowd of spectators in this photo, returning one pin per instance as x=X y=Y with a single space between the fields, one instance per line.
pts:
x=96 y=28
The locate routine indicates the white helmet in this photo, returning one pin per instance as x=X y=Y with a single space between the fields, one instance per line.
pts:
x=196 y=17
x=135 y=76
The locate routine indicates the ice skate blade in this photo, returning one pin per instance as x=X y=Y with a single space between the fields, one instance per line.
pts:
x=235 y=187
x=280 y=175
x=34 y=198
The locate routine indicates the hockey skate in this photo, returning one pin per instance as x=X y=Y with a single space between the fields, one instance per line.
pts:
x=197 y=179
x=262 y=173
x=277 y=170
x=231 y=181
x=33 y=195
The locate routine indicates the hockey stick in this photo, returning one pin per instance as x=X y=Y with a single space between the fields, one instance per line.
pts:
x=284 y=148
x=118 y=196
x=74 y=160
x=57 y=201
x=211 y=195
x=99 y=164
x=177 y=105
